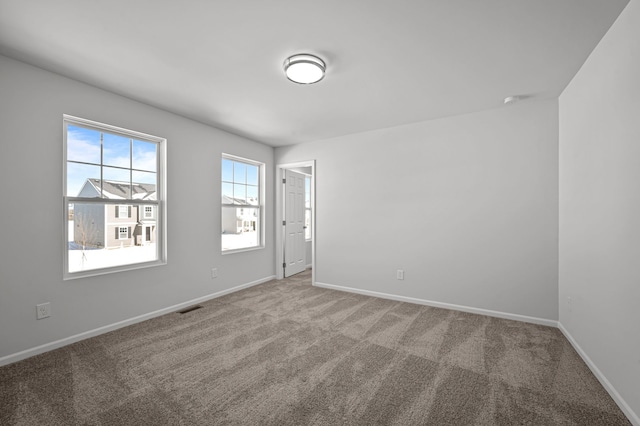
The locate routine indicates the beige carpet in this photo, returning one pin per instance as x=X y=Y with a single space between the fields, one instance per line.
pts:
x=287 y=353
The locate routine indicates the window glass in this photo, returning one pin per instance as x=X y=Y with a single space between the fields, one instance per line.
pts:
x=252 y=175
x=241 y=204
x=78 y=178
x=239 y=172
x=144 y=177
x=252 y=195
x=116 y=150
x=144 y=156
x=96 y=244
x=307 y=223
x=227 y=170
x=112 y=199
x=83 y=145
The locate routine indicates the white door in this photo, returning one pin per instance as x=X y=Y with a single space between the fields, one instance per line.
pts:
x=294 y=250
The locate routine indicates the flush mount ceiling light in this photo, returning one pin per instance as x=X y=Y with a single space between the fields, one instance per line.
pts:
x=304 y=68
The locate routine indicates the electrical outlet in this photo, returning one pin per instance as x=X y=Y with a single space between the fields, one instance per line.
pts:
x=214 y=272
x=43 y=310
x=400 y=274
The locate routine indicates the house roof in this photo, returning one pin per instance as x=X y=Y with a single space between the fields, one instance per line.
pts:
x=239 y=201
x=114 y=190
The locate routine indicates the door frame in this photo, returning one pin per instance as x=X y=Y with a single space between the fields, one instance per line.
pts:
x=280 y=173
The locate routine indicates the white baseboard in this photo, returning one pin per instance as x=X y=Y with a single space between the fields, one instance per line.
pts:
x=469 y=309
x=105 y=329
x=626 y=409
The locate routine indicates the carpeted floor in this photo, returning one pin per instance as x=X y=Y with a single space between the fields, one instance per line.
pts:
x=287 y=353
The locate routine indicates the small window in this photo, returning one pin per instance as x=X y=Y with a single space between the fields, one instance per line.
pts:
x=148 y=212
x=123 y=233
x=123 y=211
x=112 y=178
x=242 y=204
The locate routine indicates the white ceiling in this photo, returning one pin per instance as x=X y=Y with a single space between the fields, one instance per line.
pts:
x=389 y=62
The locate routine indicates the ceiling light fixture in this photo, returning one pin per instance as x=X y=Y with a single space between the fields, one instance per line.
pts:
x=304 y=68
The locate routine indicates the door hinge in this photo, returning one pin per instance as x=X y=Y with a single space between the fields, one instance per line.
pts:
x=284 y=222
x=284 y=180
x=284 y=265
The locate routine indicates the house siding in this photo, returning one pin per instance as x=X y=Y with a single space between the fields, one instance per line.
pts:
x=89 y=225
x=114 y=221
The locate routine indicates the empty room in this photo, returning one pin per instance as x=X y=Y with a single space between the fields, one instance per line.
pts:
x=180 y=246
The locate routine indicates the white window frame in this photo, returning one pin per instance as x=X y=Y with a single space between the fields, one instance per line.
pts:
x=123 y=230
x=123 y=208
x=260 y=206
x=159 y=203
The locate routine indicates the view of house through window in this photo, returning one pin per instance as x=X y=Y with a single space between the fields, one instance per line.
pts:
x=112 y=197
x=241 y=203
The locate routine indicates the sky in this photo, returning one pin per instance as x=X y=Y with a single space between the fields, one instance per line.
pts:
x=240 y=181
x=122 y=158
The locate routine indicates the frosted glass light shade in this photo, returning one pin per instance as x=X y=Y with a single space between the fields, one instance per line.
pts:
x=304 y=68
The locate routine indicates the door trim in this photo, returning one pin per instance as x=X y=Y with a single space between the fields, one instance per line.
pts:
x=280 y=172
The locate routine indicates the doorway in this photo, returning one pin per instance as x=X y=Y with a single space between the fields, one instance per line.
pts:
x=295 y=219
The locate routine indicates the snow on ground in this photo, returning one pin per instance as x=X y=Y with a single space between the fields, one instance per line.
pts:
x=105 y=258
x=126 y=255
x=238 y=241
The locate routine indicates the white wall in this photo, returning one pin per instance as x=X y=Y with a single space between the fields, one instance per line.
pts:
x=33 y=102
x=600 y=207
x=467 y=206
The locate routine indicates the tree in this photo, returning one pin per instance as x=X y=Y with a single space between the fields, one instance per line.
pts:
x=85 y=233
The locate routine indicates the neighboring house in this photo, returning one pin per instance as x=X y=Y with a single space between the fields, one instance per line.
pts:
x=115 y=225
x=241 y=217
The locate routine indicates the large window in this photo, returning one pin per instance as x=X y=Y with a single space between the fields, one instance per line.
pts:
x=242 y=198
x=113 y=198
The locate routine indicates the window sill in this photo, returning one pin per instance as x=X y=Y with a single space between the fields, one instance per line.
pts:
x=242 y=250
x=105 y=271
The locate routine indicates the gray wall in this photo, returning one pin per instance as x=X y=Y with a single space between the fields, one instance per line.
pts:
x=467 y=206
x=600 y=207
x=33 y=102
